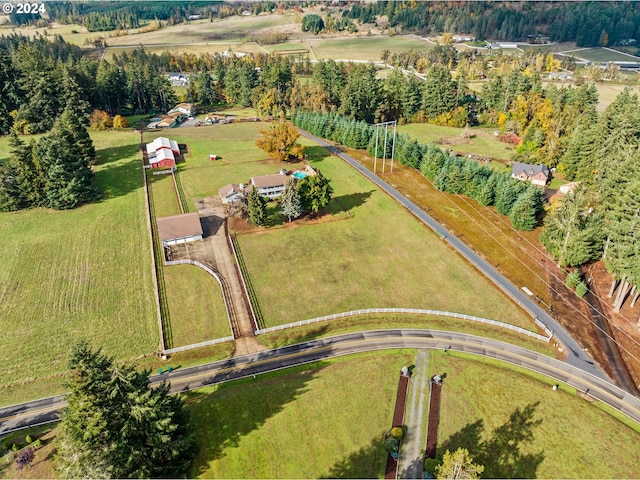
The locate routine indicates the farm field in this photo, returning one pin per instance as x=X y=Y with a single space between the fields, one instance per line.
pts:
x=228 y=29
x=199 y=48
x=81 y=273
x=600 y=54
x=479 y=396
x=483 y=142
x=242 y=423
x=364 y=48
x=376 y=258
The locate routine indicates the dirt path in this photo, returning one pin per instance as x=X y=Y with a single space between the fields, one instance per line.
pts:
x=411 y=456
x=214 y=251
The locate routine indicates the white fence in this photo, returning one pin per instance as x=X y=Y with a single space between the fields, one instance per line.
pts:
x=414 y=311
x=197 y=345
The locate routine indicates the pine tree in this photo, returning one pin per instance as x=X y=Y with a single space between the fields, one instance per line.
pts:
x=256 y=207
x=116 y=426
x=290 y=205
x=67 y=176
x=527 y=207
x=573 y=231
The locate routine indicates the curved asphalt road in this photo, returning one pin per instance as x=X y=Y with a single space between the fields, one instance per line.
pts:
x=576 y=356
x=45 y=410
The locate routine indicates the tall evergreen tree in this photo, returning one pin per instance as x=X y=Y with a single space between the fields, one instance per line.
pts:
x=68 y=178
x=116 y=426
x=573 y=231
x=256 y=207
x=526 y=208
x=439 y=92
x=290 y=205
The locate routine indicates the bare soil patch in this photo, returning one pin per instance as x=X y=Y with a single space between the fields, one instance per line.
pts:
x=624 y=325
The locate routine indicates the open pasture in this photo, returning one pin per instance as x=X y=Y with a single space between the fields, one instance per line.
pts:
x=600 y=54
x=228 y=29
x=81 y=273
x=365 y=48
x=324 y=420
x=482 y=142
x=199 y=48
x=479 y=395
x=339 y=435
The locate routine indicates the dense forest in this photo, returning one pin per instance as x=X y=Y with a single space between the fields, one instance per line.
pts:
x=580 y=22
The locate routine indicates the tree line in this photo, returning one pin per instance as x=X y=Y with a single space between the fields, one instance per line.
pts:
x=522 y=202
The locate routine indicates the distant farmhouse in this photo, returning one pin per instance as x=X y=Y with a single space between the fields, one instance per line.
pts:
x=178 y=79
x=536 y=174
x=161 y=153
x=269 y=186
x=179 y=229
x=183 y=108
x=174 y=117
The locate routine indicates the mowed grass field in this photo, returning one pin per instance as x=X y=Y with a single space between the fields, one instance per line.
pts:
x=482 y=143
x=575 y=439
x=378 y=256
x=600 y=54
x=326 y=420
x=81 y=273
x=365 y=48
x=196 y=306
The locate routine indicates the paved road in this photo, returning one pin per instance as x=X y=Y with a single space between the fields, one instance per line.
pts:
x=21 y=416
x=576 y=356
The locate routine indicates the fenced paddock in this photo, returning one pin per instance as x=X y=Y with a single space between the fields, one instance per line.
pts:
x=414 y=311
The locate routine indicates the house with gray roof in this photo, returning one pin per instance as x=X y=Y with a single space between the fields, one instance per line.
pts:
x=536 y=174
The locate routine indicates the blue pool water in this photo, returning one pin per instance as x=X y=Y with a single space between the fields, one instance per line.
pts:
x=300 y=175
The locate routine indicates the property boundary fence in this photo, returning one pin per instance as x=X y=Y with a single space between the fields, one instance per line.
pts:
x=415 y=311
x=197 y=345
x=154 y=259
x=247 y=289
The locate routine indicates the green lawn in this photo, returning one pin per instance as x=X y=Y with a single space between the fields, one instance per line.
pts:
x=324 y=420
x=82 y=273
x=378 y=257
x=165 y=199
x=196 y=306
x=482 y=143
x=365 y=48
x=575 y=439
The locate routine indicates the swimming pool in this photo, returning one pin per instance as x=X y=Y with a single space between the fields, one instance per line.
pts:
x=300 y=175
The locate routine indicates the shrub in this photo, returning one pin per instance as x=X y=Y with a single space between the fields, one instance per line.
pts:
x=37 y=444
x=29 y=439
x=25 y=458
x=581 y=289
x=397 y=432
x=573 y=279
x=15 y=447
x=120 y=122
